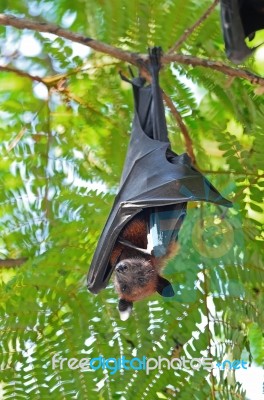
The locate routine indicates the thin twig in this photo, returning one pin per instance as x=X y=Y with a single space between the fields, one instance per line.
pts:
x=177 y=116
x=192 y=28
x=221 y=172
x=12 y=262
x=21 y=73
x=46 y=201
x=182 y=126
x=17 y=139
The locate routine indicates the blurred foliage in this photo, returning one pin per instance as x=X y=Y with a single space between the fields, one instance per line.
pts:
x=63 y=144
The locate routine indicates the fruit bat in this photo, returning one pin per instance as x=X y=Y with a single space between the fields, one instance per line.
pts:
x=141 y=252
x=156 y=184
x=240 y=20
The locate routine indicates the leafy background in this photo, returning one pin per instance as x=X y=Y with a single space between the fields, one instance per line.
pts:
x=63 y=142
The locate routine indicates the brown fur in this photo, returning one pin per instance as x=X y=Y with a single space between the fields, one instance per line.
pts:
x=137 y=275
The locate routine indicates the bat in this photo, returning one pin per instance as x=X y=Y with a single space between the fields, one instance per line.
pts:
x=150 y=206
x=240 y=20
x=138 y=265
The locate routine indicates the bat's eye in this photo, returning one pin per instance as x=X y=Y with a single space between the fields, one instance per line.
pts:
x=124 y=288
x=141 y=281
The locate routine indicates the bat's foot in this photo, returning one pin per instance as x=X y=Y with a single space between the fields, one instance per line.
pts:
x=155 y=54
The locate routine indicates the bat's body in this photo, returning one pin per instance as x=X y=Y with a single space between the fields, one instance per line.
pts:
x=156 y=184
x=136 y=272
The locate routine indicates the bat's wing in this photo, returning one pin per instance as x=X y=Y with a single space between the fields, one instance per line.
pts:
x=240 y=19
x=164 y=226
x=153 y=176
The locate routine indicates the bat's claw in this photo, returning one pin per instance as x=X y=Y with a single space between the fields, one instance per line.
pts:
x=155 y=54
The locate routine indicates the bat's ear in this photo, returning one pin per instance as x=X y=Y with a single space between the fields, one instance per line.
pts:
x=164 y=288
x=125 y=308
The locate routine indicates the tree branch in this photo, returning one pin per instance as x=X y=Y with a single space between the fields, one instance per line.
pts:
x=217 y=65
x=182 y=126
x=12 y=262
x=190 y=30
x=21 y=73
x=24 y=23
x=177 y=116
x=132 y=58
x=135 y=59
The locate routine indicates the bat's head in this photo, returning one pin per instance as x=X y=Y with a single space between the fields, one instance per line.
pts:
x=135 y=279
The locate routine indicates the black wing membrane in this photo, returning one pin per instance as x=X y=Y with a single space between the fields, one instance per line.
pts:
x=154 y=178
x=240 y=20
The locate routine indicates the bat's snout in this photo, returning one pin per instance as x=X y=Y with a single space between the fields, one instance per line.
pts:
x=121 y=268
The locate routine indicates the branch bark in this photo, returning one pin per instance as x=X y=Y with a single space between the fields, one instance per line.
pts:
x=132 y=58
x=182 y=126
x=12 y=262
x=178 y=117
x=216 y=65
x=24 y=23
x=21 y=73
x=136 y=59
